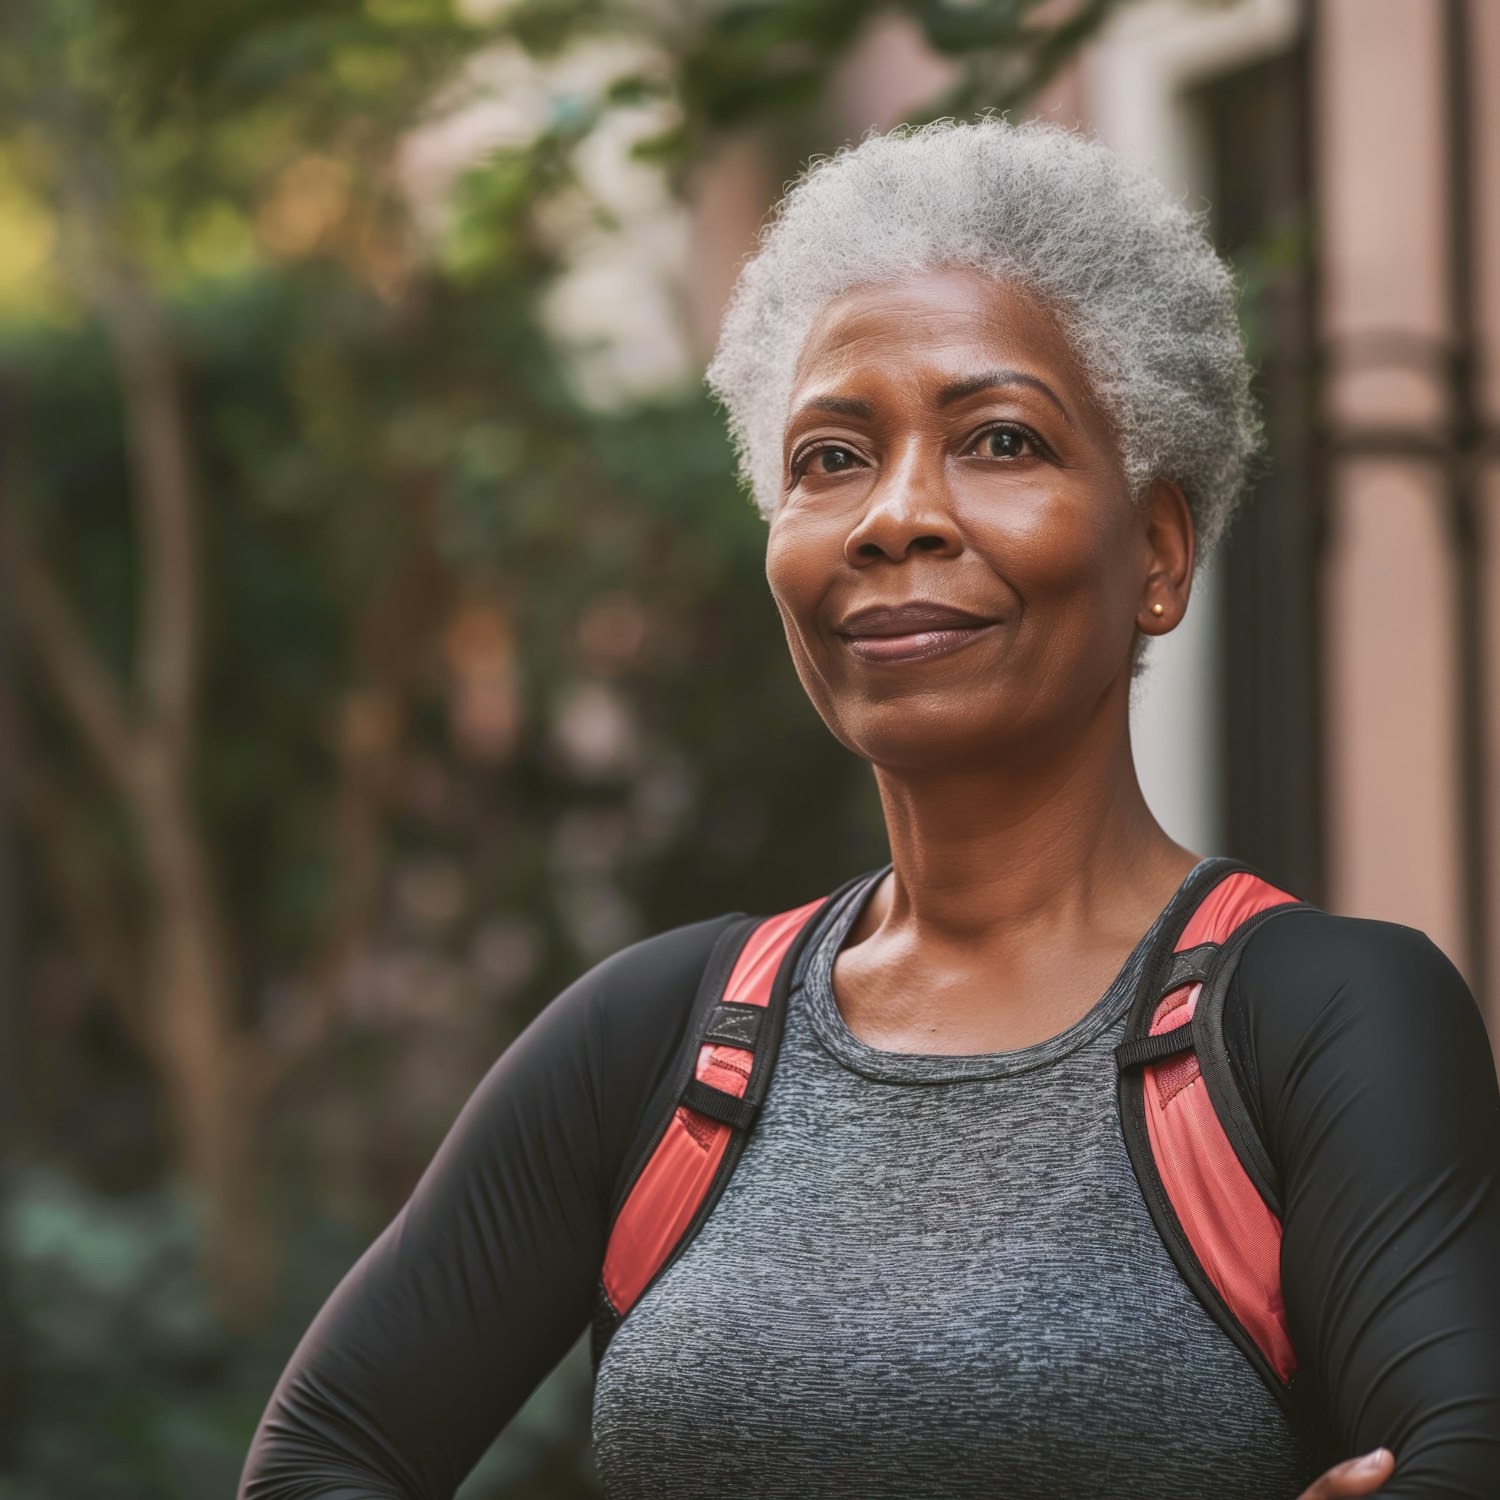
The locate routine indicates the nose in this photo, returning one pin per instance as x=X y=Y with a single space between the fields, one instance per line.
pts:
x=909 y=510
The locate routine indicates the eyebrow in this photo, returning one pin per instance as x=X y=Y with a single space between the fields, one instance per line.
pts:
x=960 y=389
x=838 y=406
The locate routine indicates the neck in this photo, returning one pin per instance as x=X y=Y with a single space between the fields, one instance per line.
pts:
x=1028 y=838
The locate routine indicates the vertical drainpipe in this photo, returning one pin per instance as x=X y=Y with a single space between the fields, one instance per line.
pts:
x=1464 y=518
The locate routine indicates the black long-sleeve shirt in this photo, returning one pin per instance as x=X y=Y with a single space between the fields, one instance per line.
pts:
x=1364 y=1055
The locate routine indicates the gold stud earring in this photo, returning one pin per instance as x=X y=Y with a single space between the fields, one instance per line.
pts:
x=1158 y=609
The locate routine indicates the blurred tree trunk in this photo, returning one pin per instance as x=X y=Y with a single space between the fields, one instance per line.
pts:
x=191 y=1010
x=145 y=739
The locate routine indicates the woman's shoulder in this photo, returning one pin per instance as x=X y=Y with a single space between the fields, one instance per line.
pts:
x=1308 y=959
x=675 y=960
x=1354 y=992
x=670 y=959
x=636 y=1002
x=1314 y=951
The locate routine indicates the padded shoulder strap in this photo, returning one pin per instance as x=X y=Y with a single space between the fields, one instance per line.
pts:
x=724 y=1073
x=1204 y=1173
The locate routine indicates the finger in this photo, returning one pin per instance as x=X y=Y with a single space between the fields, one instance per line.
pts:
x=1355 y=1476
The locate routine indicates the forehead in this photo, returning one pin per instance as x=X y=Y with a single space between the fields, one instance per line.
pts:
x=936 y=324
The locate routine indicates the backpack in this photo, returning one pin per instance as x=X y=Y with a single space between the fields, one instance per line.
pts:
x=1204 y=1172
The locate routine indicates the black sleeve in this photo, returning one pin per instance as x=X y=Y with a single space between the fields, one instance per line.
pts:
x=1376 y=1088
x=485 y=1278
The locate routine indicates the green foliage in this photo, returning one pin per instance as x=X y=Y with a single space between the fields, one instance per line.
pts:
x=123 y=1350
x=120 y=1346
x=207 y=61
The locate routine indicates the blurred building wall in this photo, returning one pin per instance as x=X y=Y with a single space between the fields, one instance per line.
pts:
x=1408 y=153
x=1393 y=819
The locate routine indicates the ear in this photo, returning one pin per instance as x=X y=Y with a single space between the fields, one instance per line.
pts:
x=1168 y=523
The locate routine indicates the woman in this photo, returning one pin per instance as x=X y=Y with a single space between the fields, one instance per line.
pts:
x=989 y=392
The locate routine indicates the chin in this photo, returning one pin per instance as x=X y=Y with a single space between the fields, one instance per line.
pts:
x=915 y=737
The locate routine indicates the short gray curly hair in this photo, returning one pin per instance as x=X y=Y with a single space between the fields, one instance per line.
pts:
x=1146 y=303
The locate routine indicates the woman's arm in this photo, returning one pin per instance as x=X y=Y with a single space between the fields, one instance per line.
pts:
x=486 y=1276
x=1377 y=1091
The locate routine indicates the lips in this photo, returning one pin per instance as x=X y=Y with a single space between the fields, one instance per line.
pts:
x=910 y=632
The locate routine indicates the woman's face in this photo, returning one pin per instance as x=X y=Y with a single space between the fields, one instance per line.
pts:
x=956 y=555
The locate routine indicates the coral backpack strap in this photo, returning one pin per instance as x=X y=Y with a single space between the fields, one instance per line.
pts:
x=724 y=1072
x=1203 y=1170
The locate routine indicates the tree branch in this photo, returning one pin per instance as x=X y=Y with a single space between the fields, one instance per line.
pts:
x=70 y=854
x=156 y=437
x=82 y=682
x=162 y=492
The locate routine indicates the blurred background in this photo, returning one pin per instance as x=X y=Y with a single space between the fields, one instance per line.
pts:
x=383 y=638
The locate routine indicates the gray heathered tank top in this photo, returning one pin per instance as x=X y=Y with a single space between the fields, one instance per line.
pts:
x=934 y=1276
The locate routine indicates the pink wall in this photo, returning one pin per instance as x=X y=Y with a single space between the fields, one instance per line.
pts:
x=1393 y=821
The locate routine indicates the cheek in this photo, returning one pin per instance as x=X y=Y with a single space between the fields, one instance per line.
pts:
x=800 y=563
x=1069 y=556
x=796 y=593
x=782 y=576
x=1059 y=549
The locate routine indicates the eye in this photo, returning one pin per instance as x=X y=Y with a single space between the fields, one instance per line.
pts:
x=830 y=459
x=1006 y=442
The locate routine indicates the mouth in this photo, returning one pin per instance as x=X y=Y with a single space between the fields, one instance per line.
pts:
x=910 y=632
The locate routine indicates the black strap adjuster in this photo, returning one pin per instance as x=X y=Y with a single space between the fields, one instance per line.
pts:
x=717 y=1105
x=1150 y=1049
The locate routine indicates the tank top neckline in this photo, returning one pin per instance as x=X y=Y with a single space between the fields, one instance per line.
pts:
x=813 y=991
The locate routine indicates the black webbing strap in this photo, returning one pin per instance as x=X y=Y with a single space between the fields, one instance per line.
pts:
x=717 y=1105
x=1150 y=1049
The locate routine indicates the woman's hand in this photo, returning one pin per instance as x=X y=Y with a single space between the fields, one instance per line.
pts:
x=1355 y=1476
